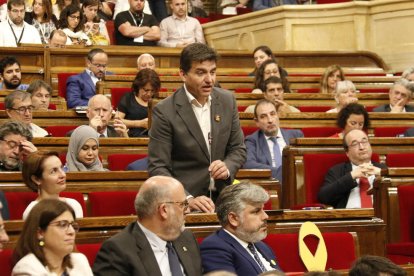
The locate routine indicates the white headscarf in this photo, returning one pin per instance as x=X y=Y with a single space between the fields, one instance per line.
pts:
x=78 y=138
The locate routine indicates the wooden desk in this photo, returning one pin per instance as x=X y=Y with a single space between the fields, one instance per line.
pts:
x=370 y=230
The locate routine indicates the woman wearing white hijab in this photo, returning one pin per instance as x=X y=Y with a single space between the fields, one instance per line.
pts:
x=83 y=150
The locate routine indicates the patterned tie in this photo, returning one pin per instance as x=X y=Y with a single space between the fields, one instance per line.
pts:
x=252 y=249
x=276 y=152
x=175 y=266
x=366 y=201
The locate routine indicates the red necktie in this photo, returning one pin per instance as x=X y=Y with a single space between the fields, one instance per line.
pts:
x=366 y=201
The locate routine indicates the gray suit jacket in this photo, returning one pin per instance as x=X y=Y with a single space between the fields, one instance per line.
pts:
x=387 y=108
x=177 y=147
x=129 y=253
x=258 y=153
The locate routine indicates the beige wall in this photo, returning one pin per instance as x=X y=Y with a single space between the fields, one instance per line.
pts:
x=381 y=26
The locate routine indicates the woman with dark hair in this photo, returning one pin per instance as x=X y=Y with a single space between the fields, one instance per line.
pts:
x=71 y=22
x=133 y=107
x=61 y=4
x=83 y=151
x=47 y=241
x=42 y=173
x=41 y=93
x=261 y=54
x=267 y=69
x=42 y=18
x=94 y=27
x=330 y=77
x=352 y=116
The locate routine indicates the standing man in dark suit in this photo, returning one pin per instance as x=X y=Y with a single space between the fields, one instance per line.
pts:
x=265 y=146
x=156 y=244
x=400 y=95
x=346 y=184
x=237 y=246
x=80 y=88
x=195 y=134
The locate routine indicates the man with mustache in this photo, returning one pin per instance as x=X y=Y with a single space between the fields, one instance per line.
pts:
x=80 y=88
x=14 y=30
x=15 y=145
x=237 y=247
x=157 y=243
x=11 y=74
x=347 y=185
x=265 y=146
x=179 y=29
x=195 y=134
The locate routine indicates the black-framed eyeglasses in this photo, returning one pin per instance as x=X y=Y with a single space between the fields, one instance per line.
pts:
x=23 y=109
x=12 y=144
x=75 y=17
x=182 y=204
x=64 y=225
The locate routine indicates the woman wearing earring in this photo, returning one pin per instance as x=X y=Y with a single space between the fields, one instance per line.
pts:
x=42 y=172
x=45 y=246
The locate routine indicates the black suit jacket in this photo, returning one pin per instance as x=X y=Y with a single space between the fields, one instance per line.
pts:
x=338 y=184
x=111 y=132
x=387 y=108
x=129 y=253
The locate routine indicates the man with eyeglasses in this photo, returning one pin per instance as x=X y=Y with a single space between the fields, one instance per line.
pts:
x=157 y=243
x=14 y=30
x=136 y=28
x=348 y=185
x=80 y=88
x=19 y=107
x=11 y=74
x=15 y=145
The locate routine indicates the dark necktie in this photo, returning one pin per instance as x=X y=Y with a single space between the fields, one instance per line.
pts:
x=102 y=136
x=175 y=266
x=252 y=249
x=366 y=201
x=276 y=152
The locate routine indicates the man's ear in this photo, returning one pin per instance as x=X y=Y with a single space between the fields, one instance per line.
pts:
x=233 y=219
x=183 y=75
x=162 y=210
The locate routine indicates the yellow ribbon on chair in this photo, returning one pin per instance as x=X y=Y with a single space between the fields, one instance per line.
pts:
x=312 y=262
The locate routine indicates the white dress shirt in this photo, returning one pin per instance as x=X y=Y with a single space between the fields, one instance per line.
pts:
x=27 y=32
x=354 y=199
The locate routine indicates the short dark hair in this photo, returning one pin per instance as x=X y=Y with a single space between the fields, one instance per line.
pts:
x=11 y=3
x=347 y=111
x=94 y=52
x=145 y=76
x=259 y=76
x=265 y=49
x=39 y=219
x=259 y=103
x=14 y=127
x=33 y=166
x=272 y=79
x=198 y=52
x=36 y=85
x=8 y=61
x=374 y=265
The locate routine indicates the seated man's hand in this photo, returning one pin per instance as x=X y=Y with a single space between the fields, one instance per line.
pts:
x=120 y=128
x=218 y=170
x=398 y=107
x=201 y=203
x=27 y=148
x=96 y=123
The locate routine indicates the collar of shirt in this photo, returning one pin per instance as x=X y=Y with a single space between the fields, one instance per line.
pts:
x=153 y=239
x=193 y=101
x=401 y=110
x=16 y=26
x=242 y=243
x=92 y=75
x=278 y=135
x=179 y=19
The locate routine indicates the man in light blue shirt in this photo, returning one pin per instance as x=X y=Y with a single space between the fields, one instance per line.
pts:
x=11 y=74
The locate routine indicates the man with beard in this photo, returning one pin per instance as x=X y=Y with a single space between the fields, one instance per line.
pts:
x=265 y=146
x=134 y=27
x=15 y=145
x=179 y=29
x=14 y=30
x=80 y=88
x=19 y=107
x=156 y=244
x=11 y=74
x=347 y=185
x=237 y=246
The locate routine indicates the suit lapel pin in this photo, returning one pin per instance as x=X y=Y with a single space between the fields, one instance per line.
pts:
x=185 y=249
x=217 y=118
x=273 y=262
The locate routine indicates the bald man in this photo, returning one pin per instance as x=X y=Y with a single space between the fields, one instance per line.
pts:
x=156 y=244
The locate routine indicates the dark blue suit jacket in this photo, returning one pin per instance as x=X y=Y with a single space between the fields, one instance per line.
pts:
x=220 y=251
x=79 y=89
x=258 y=153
